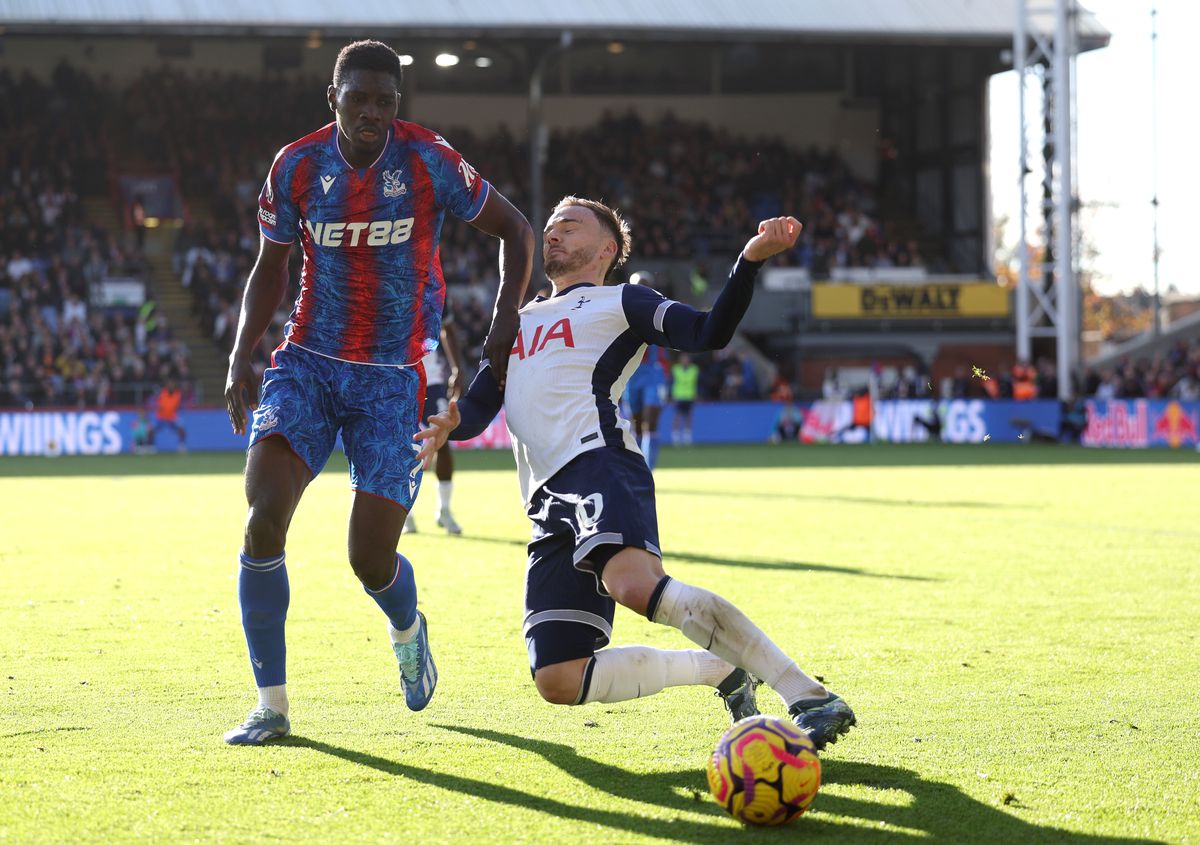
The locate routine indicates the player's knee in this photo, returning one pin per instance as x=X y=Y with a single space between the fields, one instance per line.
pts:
x=628 y=591
x=373 y=567
x=266 y=533
x=558 y=683
x=631 y=583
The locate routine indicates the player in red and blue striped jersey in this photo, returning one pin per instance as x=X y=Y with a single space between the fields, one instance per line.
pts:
x=365 y=197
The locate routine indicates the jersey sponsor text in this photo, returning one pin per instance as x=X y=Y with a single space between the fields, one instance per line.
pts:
x=378 y=232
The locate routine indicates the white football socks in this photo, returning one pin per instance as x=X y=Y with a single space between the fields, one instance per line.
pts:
x=445 y=488
x=620 y=673
x=407 y=634
x=716 y=625
x=275 y=698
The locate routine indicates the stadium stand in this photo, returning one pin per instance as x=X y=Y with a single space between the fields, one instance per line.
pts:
x=58 y=345
x=689 y=189
x=1173 y=374
x=685 y=199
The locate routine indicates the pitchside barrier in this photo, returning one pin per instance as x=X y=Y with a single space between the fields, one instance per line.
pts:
x=1137 y=423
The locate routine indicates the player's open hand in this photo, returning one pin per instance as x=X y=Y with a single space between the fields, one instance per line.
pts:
x=774 y=236
x=241 y=394
x=434 y=438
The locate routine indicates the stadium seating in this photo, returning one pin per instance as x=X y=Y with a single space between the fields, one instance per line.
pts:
x=56 y=347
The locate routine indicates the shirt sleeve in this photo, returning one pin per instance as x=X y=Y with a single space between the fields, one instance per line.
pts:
x=483 y=400
x=278 y=215
x=664 y=322
x=457 y=186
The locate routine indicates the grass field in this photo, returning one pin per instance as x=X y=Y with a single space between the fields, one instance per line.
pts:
x=1016 y=629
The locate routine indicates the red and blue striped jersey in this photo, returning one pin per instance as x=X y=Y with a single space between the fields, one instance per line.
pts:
x=371 y=289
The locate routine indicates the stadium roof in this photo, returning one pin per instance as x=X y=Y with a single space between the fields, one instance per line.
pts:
x=972 y=21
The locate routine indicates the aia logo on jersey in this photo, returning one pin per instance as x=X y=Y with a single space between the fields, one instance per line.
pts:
x=559 y=331
x=392 y=186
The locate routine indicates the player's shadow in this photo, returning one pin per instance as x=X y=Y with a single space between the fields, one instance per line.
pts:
x=679 y=829
x=872 y=501
x=736 y=563
x=940 y=812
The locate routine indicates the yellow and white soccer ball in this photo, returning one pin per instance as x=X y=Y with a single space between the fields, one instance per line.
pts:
x=764 y=771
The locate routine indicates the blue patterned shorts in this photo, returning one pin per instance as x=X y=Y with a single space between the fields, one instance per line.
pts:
x=307 y=399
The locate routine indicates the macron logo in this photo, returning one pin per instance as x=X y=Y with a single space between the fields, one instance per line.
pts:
x=327 y=182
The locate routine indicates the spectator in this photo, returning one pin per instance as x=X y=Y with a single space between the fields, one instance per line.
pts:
x=167 y=404
x=685 y=380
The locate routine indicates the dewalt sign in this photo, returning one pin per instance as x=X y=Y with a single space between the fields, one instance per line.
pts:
x=897 y=302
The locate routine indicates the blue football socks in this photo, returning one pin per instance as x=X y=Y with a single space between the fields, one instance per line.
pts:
x=650 y=449
x=399 y=598
x=264 y=594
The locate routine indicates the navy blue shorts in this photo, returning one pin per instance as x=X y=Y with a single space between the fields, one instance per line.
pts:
x=308 y=398
x=599 y=503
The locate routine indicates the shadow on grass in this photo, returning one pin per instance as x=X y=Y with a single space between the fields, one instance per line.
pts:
x=681 y=830
x=851 y=500
x=712 y=560
x=939 y=812
x=748 y=456
x=909 y=454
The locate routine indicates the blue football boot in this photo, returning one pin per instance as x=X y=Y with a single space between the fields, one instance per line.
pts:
x=418 y=675
x=262 y=725
x=823 y=719
x=737 y=693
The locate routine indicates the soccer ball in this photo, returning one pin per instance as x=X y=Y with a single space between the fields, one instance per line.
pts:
x=764 y=771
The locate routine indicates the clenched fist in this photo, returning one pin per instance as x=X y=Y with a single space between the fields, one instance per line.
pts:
x=774 y=236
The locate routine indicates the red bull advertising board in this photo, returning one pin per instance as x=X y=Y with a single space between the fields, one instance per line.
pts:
x=1142 y=423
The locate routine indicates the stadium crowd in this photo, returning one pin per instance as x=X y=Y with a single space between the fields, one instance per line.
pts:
x=1174 y=374
x=56 y=348
x=691 y=192
x=686 y=185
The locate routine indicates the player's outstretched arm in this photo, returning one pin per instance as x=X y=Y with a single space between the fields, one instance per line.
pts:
x=663 y=322
x=464 y=419
x=500 y=219
x=264 y=290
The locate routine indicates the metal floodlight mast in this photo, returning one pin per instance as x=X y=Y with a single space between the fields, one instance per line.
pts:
x=538 y=148
x=1048 y=307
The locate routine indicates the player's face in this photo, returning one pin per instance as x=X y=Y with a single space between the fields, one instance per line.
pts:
x=365 y=104
x=572 y=241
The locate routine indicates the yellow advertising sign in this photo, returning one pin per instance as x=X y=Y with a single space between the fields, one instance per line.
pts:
x=923 y=302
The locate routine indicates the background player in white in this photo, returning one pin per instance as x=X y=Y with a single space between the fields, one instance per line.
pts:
x=443 y=373
x=590 y=495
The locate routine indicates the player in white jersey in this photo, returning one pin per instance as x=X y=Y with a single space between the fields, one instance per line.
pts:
x=441 y=385
x=590 y=494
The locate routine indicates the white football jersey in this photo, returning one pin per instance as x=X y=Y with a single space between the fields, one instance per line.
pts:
x=572 y=358
x=436 y=371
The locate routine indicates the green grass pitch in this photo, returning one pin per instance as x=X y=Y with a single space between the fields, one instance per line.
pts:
x=1016 y=627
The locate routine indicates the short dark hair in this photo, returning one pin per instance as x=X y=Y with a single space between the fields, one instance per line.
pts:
x=611 y=219
x=367 y=55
